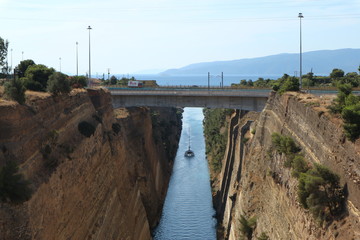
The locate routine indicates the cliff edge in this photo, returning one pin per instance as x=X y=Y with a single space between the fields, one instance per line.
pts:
x=254 y=183
x=95 y=172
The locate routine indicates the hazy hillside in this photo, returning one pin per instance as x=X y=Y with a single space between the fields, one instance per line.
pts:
x=321 y=62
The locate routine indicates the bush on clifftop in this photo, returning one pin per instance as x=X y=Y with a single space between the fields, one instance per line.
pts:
x=58 y=83
x=348 y=105
x=15 y=90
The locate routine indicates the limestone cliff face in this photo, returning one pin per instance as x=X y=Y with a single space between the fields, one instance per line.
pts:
x=110 y=185
x=255 y=183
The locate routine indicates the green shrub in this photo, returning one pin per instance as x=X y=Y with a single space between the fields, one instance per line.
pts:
x=38 y=73
x=319 y=191
x=348 y=105
x=340 y=101
x=78 y=81
x=276 y=87
x=15 y=90
x=86 y=129
x=32 y=85
x=247 y=226
x=351 y=116
x=284 y=144
x=263 y=236
x=58 y=83
x=299 y=165
x=290 y=84
x=215 y=139
x=13 y=187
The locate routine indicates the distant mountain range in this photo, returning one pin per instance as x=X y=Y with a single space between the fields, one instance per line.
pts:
x=321 y=62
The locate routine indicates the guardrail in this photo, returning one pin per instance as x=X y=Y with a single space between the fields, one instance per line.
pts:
x=179 y=88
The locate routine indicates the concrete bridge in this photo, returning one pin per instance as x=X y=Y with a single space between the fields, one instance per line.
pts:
x=244 y=99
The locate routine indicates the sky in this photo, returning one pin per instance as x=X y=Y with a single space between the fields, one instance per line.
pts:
x=129 y=36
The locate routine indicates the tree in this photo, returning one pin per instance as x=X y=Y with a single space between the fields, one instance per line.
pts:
x=78 y=81
x=113 y=80
x=260 y=83
x=58 y=83
x=3 y=53
x=37 y=75
x=243 y=82
x=319 y=191
x=344 y=90
x=23 y=66
x=348 y=105
x=352 y=78
x=308 y=79
x=351 y=116
x=15 y=90
x=290 y=84
x=337 y=74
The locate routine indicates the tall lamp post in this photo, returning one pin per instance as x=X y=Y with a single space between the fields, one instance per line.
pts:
x=60 y=63
x=77 y=59
x=11 y=59
x=300 y=16
x=89 y=28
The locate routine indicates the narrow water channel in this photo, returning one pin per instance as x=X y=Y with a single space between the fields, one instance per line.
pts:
x=188 y=210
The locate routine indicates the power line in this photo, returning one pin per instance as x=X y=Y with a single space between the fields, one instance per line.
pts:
x=195 y=19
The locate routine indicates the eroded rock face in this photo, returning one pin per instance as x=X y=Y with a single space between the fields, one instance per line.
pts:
x=110 y=185
x=255 y=183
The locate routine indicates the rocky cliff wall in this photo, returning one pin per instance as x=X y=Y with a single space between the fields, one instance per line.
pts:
x=110 y=185
x=255 y=183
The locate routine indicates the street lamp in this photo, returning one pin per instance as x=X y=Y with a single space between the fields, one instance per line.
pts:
x=60 y=63
x=77 y=59
x=11 y=59
x=300 y=16
x=89 y=28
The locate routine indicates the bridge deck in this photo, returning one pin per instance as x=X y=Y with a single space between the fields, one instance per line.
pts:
x=252 y=100
x=191 y=92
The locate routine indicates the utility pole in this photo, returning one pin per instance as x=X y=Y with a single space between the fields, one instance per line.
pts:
x=108 y=73
x=222 y=79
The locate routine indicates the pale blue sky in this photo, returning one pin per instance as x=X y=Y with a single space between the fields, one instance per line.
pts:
x=133 y=35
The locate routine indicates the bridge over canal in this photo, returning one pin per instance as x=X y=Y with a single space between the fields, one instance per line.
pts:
x=245 y=99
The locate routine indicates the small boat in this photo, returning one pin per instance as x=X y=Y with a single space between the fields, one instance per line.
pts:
x=189 y=153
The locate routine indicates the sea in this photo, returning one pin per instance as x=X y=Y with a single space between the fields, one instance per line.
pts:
x=197 y=80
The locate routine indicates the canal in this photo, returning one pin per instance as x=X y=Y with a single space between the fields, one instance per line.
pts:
x=188 y=211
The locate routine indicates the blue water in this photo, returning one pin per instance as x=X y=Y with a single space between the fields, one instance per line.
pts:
x=188 y=210
x=199 y=80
